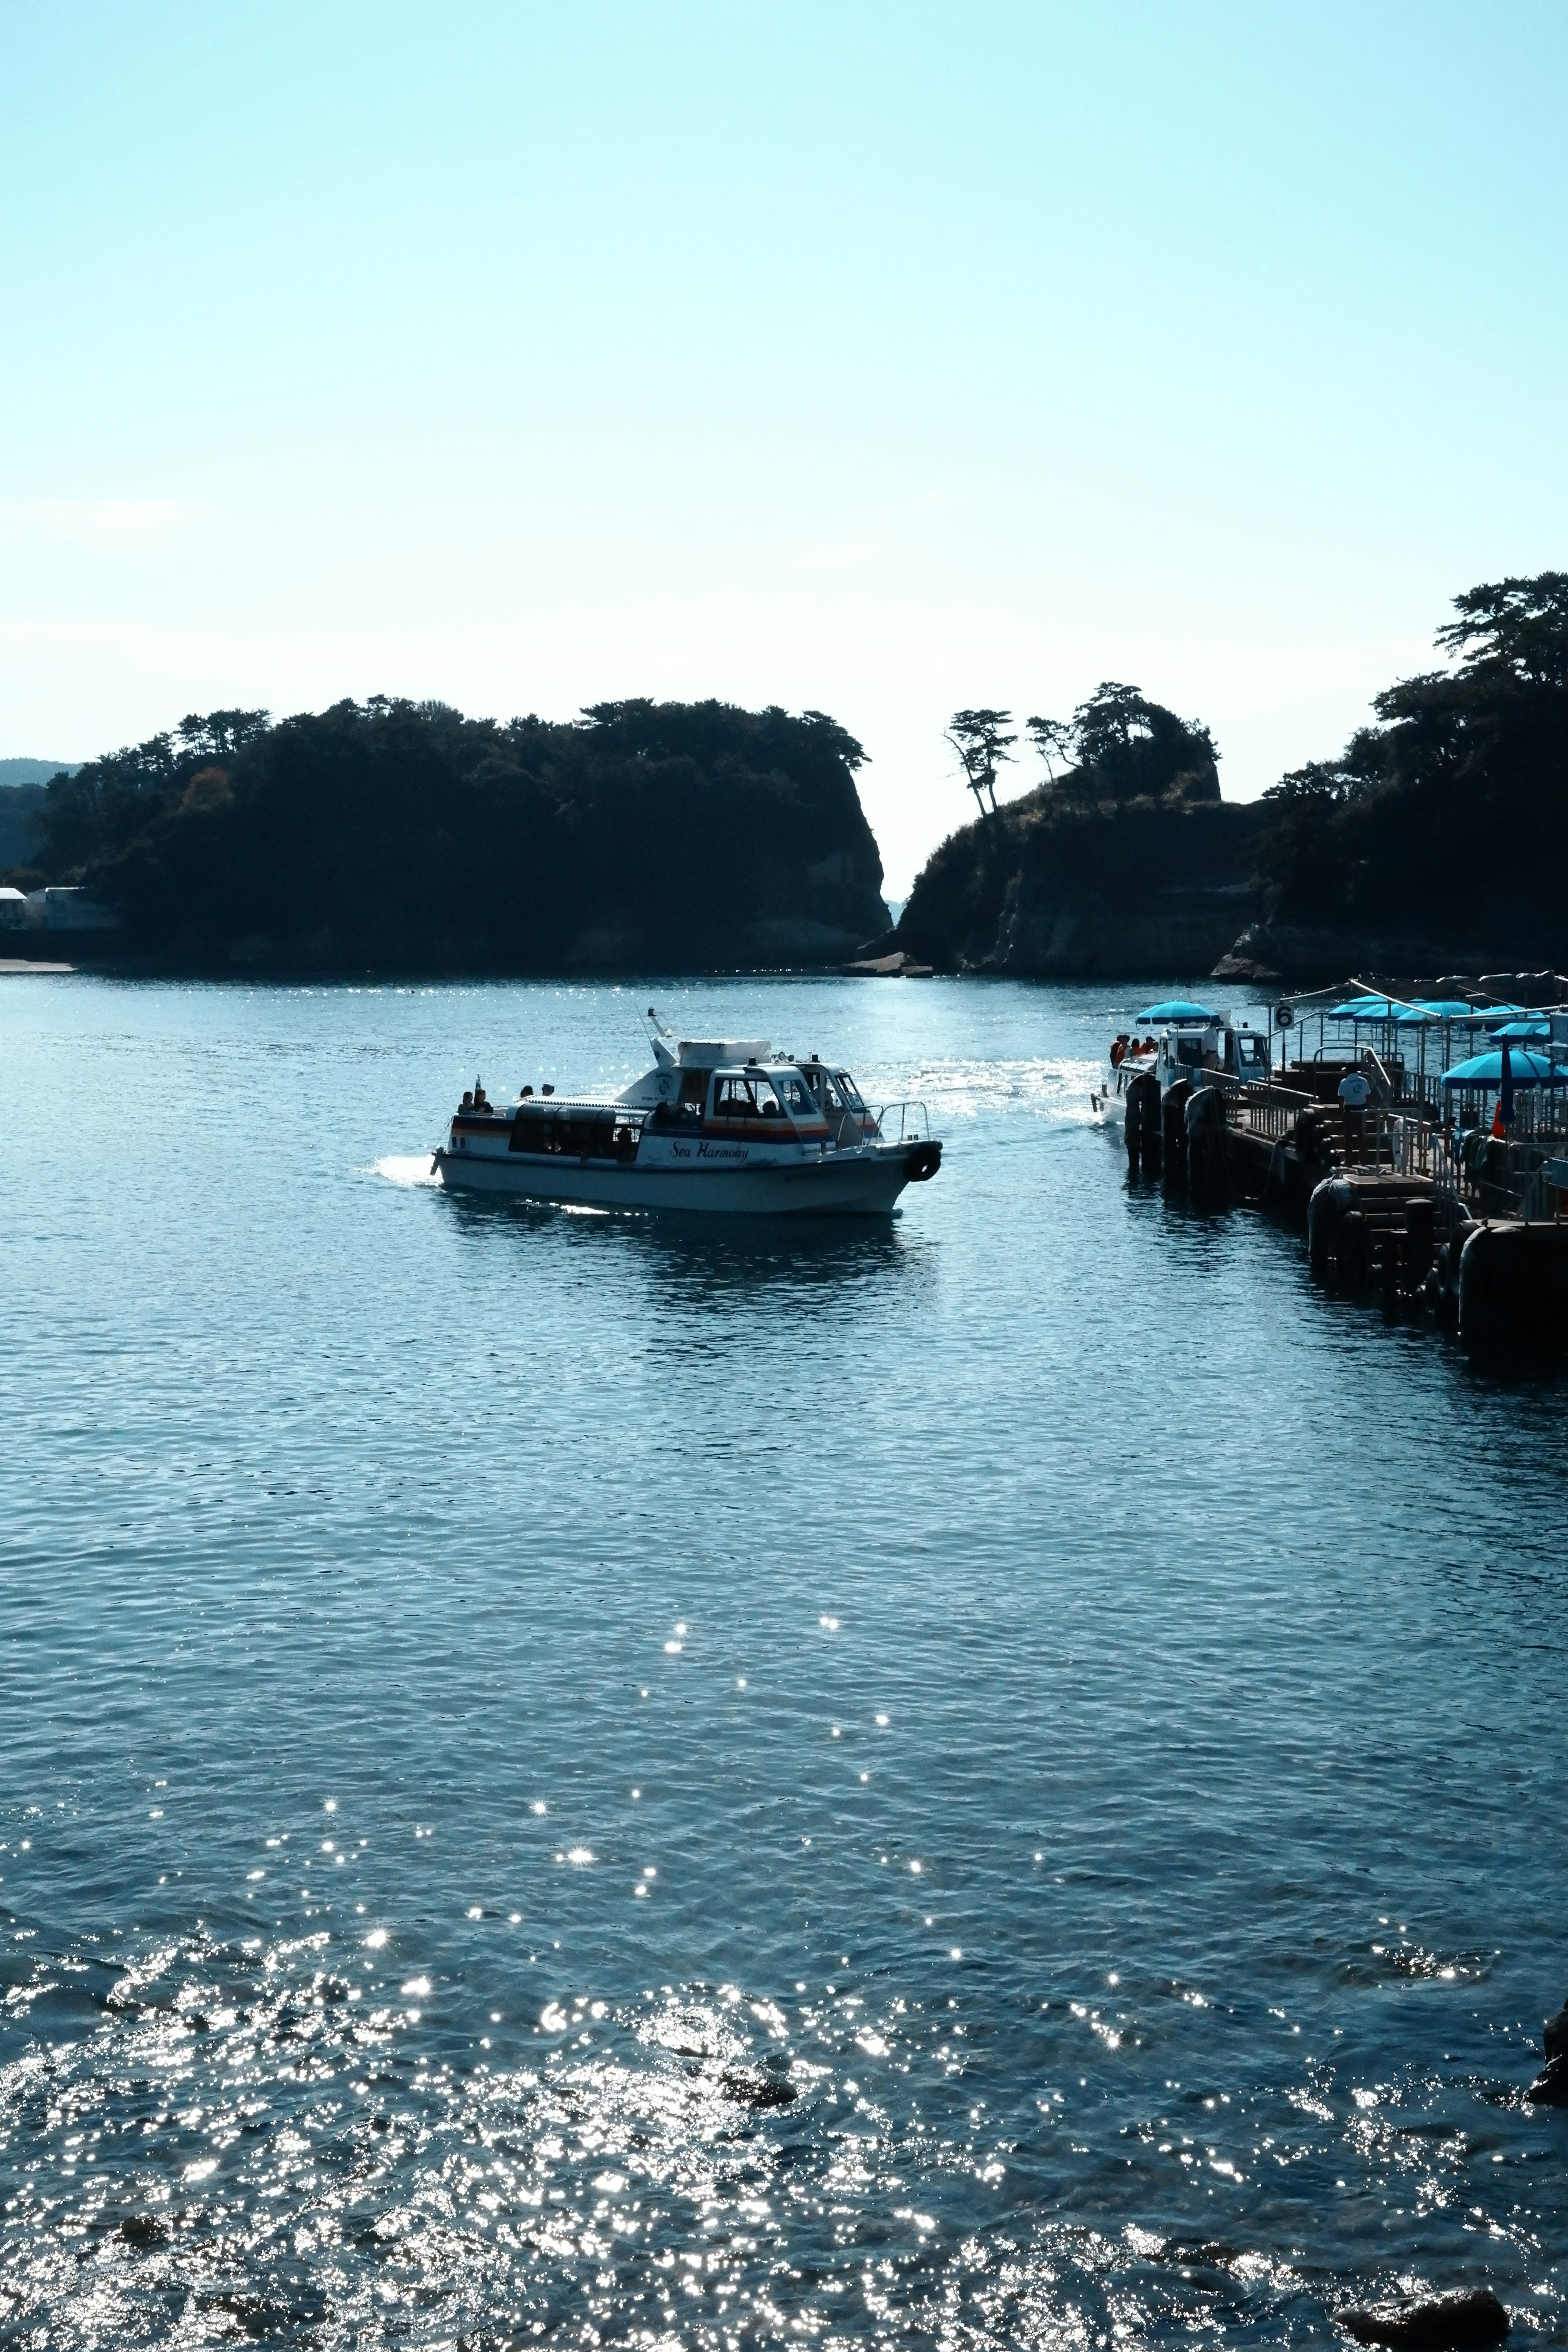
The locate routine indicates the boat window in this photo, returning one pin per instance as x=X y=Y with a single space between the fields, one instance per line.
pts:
x=580 y=1134
x=533 y=1130
x=1251 y=1054
x=751 y=1096
x=848 y=1090
x=693 y=1089
x=733 y=1098
x=1190 y=1050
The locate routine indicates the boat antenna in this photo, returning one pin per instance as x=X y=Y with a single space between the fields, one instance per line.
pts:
x=663 y=1041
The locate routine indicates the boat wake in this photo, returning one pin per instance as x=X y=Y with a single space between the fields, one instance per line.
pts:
x=410 y=1170
x=1056 y=1089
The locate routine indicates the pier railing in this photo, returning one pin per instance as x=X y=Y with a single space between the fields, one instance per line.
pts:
x=1524 y=1175
x=1409 y=1129
x=1269 y=1110
x=1406 y=1129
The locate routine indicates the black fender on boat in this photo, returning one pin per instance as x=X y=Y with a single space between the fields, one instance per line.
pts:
x=1326 y=1212
x=923 y=1162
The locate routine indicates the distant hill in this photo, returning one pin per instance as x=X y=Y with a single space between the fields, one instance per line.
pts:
x=651 y=837
x=33 y=771
x=19 y=805
x=21 y=785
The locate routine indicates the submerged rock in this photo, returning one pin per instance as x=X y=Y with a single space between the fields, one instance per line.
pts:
x=1447 y=2323
x=758 y=2090
x=143 y=2230
x=1555 y=2033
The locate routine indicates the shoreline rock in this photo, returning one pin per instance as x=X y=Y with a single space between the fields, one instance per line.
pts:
x=1289 y=955
x=1446 y=2323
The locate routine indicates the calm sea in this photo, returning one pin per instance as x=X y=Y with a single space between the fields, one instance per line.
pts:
x=495 y=1700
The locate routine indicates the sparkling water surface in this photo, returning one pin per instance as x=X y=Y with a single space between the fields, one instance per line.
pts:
x=992 y=1779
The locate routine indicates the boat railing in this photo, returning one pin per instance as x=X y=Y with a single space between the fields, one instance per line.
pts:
x=914 y=1122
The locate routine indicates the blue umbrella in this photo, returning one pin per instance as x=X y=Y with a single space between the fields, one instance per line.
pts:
x=1529 y=1069
x=1176 y=1008
x=1524 y=1029
x=1439 y=1008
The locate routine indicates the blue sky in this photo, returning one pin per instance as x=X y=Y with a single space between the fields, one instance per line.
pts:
x=875 y=358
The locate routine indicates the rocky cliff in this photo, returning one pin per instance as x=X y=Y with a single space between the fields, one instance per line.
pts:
x=1060 y=891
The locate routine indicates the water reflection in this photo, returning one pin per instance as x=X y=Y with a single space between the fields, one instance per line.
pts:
x=696 y=1259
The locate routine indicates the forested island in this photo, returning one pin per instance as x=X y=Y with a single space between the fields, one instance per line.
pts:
x=1127 y=861
x=698 y=836
x=1437 y=840
x=1435 y=843
x=400 y=835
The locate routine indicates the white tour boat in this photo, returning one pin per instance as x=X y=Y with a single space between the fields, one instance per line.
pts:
x=1191 y=1041
x=716 y=1124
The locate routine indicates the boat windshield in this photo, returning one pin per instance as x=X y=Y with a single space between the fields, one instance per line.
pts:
x=794 y=1093
x=848 y=1090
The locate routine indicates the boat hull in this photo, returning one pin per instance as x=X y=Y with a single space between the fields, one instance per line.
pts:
x=850 y=1184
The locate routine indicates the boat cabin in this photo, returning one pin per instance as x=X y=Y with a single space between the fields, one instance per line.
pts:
x=761 y=1102
x=838 y=1099
x=1190 y=1048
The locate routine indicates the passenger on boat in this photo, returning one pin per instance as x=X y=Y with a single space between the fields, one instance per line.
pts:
x=1117 y=1049
x=1354 y=1095
x=467 y=1102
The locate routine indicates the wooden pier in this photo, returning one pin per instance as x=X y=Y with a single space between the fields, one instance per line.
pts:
x=1397 y=1203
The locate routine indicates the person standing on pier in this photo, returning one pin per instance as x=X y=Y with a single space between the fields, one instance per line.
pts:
x=1354 y=1093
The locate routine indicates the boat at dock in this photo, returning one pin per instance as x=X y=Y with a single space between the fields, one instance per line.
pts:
x=718 y=1125
x=1184 y=1040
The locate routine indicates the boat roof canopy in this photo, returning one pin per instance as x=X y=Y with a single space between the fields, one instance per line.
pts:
x=1178 y=1008
x=713 y=1054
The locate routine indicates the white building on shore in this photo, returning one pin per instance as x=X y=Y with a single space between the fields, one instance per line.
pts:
x=62 y=907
